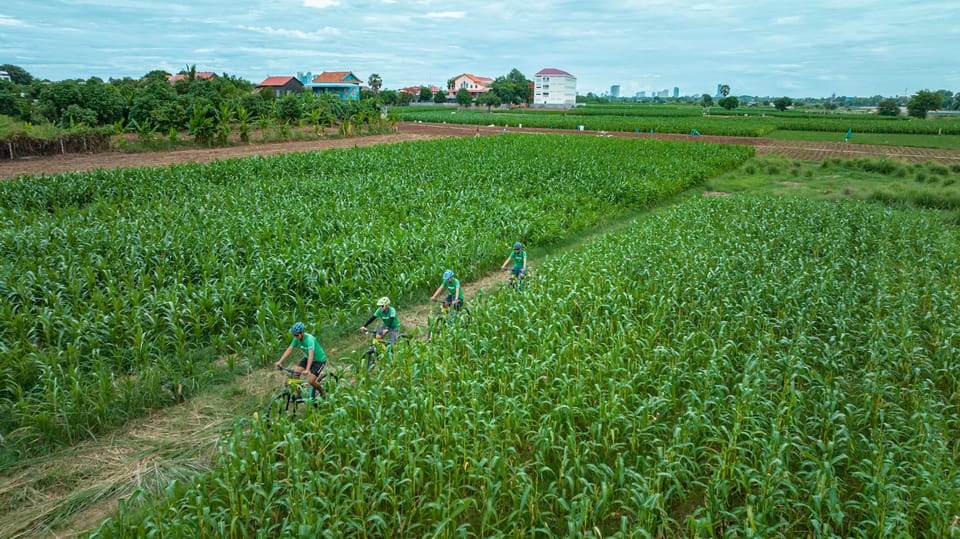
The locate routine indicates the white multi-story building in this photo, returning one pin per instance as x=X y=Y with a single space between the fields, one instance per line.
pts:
x=554 y=88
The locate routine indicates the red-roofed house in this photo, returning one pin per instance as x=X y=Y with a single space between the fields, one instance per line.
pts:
x=472 y=83
x=280 y=86
x=197 y=76
x=344 y=84
x=415 y=90
x=554 y=88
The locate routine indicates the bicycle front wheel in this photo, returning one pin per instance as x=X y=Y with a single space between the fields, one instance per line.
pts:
x=463 y=316
x=283 y=404
x=435 y=327
x=370 y=360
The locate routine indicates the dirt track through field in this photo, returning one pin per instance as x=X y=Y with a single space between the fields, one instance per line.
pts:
x=410 y=131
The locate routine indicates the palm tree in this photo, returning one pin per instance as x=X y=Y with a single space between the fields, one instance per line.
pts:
x=725 y=90
x=375 y=82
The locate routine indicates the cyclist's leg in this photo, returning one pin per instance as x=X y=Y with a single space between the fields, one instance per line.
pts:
x=394 y=335
x=314 y=377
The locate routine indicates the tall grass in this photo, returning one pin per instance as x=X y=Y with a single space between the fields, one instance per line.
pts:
x=119 y=284
x=733 y=367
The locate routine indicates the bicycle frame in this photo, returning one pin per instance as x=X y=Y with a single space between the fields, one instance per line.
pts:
x=379 y=346
x=517 y=282
x=448 y=315
x=295 y=391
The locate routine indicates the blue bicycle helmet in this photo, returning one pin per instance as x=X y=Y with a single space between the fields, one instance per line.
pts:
x=447 y=274
x=298 y=328
x=518 y=245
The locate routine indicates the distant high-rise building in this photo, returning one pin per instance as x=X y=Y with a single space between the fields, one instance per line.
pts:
x=615 y=91
x=641 y=94
x=719 y=86
x=676 y=92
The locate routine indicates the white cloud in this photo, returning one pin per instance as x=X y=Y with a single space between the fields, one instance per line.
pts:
x=296 y=34
x=446 y=15
x=321 y=4
x=788 y=20
x=10 y=21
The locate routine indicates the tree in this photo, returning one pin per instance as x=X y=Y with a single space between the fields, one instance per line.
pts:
x=18 y=75
x=9 y=102
x=513 y=88
x=781 y=103
x=157 y=75
x=707 y=100
x=103 y=99
x=375 y=82
x=440 y=97
x=947 y=97
x=425 y=94
x=56 y=97
x=289 y=108
x=888 y=107
x=389 y=97
x=148 y=102
x=724 y=90
x=923 y=102
x=729 y=103
x=489 y=100
x=464 y=97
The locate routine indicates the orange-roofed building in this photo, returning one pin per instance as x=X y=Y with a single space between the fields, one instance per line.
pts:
x=471 y=83
x=197 y=76
x=280 y=86
x=344 y=84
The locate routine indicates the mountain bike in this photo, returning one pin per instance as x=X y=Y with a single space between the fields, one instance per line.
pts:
x=296 y=393
x=448 y=315
x=517 y=282
x=379 y=347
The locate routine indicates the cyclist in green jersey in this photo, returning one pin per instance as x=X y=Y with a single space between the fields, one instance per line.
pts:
x=388 y=316
x=519 y=257
x=314 y=358
x=454 y=292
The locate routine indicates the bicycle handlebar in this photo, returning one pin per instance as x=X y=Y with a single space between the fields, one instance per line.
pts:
x=291 y=372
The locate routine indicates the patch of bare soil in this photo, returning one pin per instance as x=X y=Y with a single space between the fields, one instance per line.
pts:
x=56 y=164
x=803 y=150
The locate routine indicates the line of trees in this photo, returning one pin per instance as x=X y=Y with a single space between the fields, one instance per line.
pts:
x=208 y=109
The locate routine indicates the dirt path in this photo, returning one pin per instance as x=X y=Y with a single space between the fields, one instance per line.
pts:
x=807 y=151
x=109 y=160
x=72 y=491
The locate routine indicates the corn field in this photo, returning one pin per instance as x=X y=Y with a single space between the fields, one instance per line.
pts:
x=644 y=121
x=749 y=367
x=127 y=290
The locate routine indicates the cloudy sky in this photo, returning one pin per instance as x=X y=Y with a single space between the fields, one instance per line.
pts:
x=807 y=48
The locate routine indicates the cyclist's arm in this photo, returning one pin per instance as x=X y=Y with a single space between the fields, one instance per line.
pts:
x=505 y=262
x=367 y=323
x=434 y=296
x=284 y=357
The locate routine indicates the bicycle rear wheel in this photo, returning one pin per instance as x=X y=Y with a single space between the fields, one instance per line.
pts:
x=283 y=404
